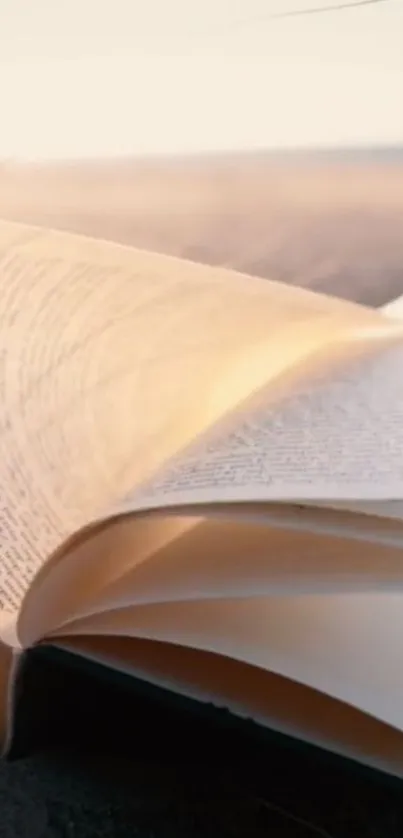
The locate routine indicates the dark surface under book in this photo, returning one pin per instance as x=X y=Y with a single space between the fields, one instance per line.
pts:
x=102 y=754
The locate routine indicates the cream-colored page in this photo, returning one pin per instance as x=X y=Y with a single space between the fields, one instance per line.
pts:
x=210 y=557
x=332 y=433
x=343 y=645
x=113 y=359
x=250 y=692
x=389 y=508
x=346 y=646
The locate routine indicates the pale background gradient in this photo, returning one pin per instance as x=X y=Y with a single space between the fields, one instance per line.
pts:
x=116 y=77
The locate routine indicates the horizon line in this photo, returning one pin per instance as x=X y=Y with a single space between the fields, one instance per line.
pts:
x=348 y=148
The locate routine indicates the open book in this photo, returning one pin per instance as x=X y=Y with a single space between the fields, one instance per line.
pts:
x=202 y=485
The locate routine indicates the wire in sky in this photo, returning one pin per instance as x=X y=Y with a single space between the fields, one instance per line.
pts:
x=311 y=10
x=321 y=9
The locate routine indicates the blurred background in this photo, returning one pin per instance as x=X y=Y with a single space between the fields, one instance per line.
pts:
x=265 y=135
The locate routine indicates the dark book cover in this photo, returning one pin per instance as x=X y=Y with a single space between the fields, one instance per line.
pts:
x=65 y=699
x=164 y=760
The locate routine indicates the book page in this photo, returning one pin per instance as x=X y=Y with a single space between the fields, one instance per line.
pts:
x=250 y=692
x=388 y=508
x=335 y=433
x=156 y=558
x=344 y=645
x=111 y=360
x=392 y=509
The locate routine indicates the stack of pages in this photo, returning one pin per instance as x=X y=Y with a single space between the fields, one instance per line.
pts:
x=202 y=485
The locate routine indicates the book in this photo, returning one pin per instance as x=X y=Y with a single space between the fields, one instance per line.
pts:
x=202 y=488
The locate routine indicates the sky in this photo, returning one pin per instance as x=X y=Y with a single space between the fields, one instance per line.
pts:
x=94 y=78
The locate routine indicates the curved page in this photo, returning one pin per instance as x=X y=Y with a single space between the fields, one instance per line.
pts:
x=332 y=434
x=346 y=645
x=250 y=692
x=111 y=360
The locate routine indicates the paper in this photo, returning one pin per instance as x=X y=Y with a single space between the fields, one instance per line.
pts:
x=209 y=558
x=343 y=645
x=249 y=550
x=250 y=692
x=333 y=433
x=110 y=361
x=390 y=508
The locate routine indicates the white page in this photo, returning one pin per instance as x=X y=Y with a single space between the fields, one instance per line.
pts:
x=111 y=360
x=335 y=433
x=216 y=558
x=244 y=551
x=388 y=508
x=250 y=692
x=346 y=646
